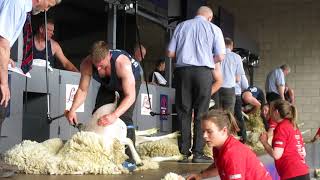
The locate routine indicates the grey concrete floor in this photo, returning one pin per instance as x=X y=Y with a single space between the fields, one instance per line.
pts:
x=165 y=167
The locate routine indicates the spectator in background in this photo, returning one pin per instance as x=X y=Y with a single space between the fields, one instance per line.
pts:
x=13 y=14
x=197 y=44
x=232 y=69
x=157 y=76
x=139 y=52
x=54 y=49
x=275 y=83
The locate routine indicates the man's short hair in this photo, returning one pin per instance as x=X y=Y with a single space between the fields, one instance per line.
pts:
x=99 y=50
x=228 y=41
x=285 y=67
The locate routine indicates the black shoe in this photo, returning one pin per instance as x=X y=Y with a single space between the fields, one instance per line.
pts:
x=201 y=159
x=184 y=159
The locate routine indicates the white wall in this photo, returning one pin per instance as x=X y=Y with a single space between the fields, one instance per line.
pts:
x=286 y=32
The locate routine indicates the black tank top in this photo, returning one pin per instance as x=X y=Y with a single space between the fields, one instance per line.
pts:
x=42 y=54
x=113 y=82
x=257 y=93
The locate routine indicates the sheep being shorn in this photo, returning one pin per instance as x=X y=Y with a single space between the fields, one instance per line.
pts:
x=97 y=152
x=116 y=130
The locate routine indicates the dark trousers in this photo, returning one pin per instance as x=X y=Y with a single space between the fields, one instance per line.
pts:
x=227 y=98
x=106 y=96
x=303 y=177
x=193 y=87
x=239 y=118
x=272 y=96
x=2 y=114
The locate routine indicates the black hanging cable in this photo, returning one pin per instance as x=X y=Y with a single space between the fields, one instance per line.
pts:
x=47 y=64
x=25 y=96
x=142 y=58
x=142 y=61
x=49 y=118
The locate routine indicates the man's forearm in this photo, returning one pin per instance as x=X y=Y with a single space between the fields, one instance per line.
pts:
x=71 y=67
x=218 y=58
x=124 y=105
x=215 y=87
x=218 y=79
x=79 y=98
x=4 y=60
x=281 y=91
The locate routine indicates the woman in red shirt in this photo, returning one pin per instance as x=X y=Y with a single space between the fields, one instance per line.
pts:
x=232 y=159
x=287 y=145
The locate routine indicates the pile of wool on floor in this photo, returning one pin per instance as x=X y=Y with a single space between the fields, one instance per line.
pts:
x=163 y=149
x=84 y=153
x=172 y=176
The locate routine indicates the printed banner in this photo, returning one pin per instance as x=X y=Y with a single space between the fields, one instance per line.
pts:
x=145 y=105
x=163 y=107
x=71 y=90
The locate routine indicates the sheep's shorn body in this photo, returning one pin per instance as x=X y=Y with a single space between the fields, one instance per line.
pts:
x=117 y=130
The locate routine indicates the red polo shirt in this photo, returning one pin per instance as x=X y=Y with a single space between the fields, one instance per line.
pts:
x=235 y=161
x=272 y=123
x=318 y=132
x=292 y=162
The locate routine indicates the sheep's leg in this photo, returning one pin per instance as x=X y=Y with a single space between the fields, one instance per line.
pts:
x=134 y=153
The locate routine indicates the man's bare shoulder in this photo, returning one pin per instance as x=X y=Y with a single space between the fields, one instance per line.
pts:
x=86 y=65
x=123 y=61
x=123 y=66
x=55 y=46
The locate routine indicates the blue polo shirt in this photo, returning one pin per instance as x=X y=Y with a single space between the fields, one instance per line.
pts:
x=274 y=79
x=13 y=14
x=242 y=85
x=195 y=42
x=231 y=67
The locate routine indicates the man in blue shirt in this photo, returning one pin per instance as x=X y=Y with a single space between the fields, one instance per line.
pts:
x=232 y=69
x=197 y=45
x=13 y=14
x=275 y=83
